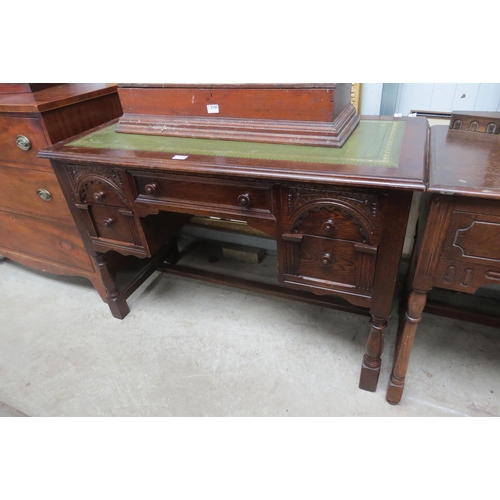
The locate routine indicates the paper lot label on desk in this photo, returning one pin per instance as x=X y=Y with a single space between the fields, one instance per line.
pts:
x=212 y=108
x=373 y=143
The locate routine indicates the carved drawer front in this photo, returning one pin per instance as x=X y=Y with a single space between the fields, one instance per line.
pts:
x=99 y=192
x=195 y=195
x=471 y=252
x=102 y=204
x=331 y=264
x=45 y=240
x=33 y=192
x=344 y=214
x=114 y=224
x=330 y=220
x=20 y=141
x=330 y=238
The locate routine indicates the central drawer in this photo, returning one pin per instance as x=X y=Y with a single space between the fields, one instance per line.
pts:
x=205 y=196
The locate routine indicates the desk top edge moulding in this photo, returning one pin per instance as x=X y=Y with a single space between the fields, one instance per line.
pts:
x=302 y=114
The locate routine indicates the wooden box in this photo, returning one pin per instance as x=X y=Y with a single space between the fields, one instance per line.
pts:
x=306 y=114
x=24 y=88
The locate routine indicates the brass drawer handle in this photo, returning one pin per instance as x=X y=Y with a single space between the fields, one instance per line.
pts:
x=100 y=196
x=23 y=142
x=150 y=188
x=328 y=227
x=244 y=200
x=109 y=222
x=44 y=194
x=326 y=260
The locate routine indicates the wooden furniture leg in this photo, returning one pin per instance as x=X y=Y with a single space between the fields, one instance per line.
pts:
x=370 y=369
x=406 y=335
x=116 y=300
x=386 y=274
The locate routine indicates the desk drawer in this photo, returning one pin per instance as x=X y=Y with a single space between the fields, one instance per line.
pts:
x=33 y=192
x=114 y=224
x=337 y=261
x=328 y=220
x=18 y=133
x=201 y=196
x=338 y=213
x=331 y=264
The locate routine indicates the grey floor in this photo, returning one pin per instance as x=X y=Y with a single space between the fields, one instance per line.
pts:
x=189 y=348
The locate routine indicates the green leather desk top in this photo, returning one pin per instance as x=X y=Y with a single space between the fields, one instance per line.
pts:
x=373 y=143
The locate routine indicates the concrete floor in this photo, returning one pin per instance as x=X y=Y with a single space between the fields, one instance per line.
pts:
x=190 y=348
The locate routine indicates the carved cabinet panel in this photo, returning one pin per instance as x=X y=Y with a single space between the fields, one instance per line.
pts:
x=107 y=216
x=330 y=239
x=471 y=251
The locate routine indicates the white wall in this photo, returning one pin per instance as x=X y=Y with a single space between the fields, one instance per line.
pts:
x=371 y=96
x=437 y=97
x=448 y=97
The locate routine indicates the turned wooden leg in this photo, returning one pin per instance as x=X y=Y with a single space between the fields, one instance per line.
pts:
x=416 y=304
x=115 y=299
x=370 y=369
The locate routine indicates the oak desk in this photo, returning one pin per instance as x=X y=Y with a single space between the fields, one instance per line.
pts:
x=339 y=215
x=458 y=245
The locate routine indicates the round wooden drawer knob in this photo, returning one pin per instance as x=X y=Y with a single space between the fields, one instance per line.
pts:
x=100 y=196
x=326 y=260
x=44 y=194
x=244 y=200
x=150 y=188
x=23 y=142
x=328 y=227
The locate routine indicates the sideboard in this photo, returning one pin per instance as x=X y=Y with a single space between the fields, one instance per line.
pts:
x=339 y=215
x=36 y=226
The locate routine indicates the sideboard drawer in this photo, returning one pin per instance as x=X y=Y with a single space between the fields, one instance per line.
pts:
x=42 y=239
x=193 y=194
x=33 y=192
x=20 y=140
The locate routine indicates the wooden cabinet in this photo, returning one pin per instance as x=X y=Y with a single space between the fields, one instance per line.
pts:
x=36 y=225
x=457 y=247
